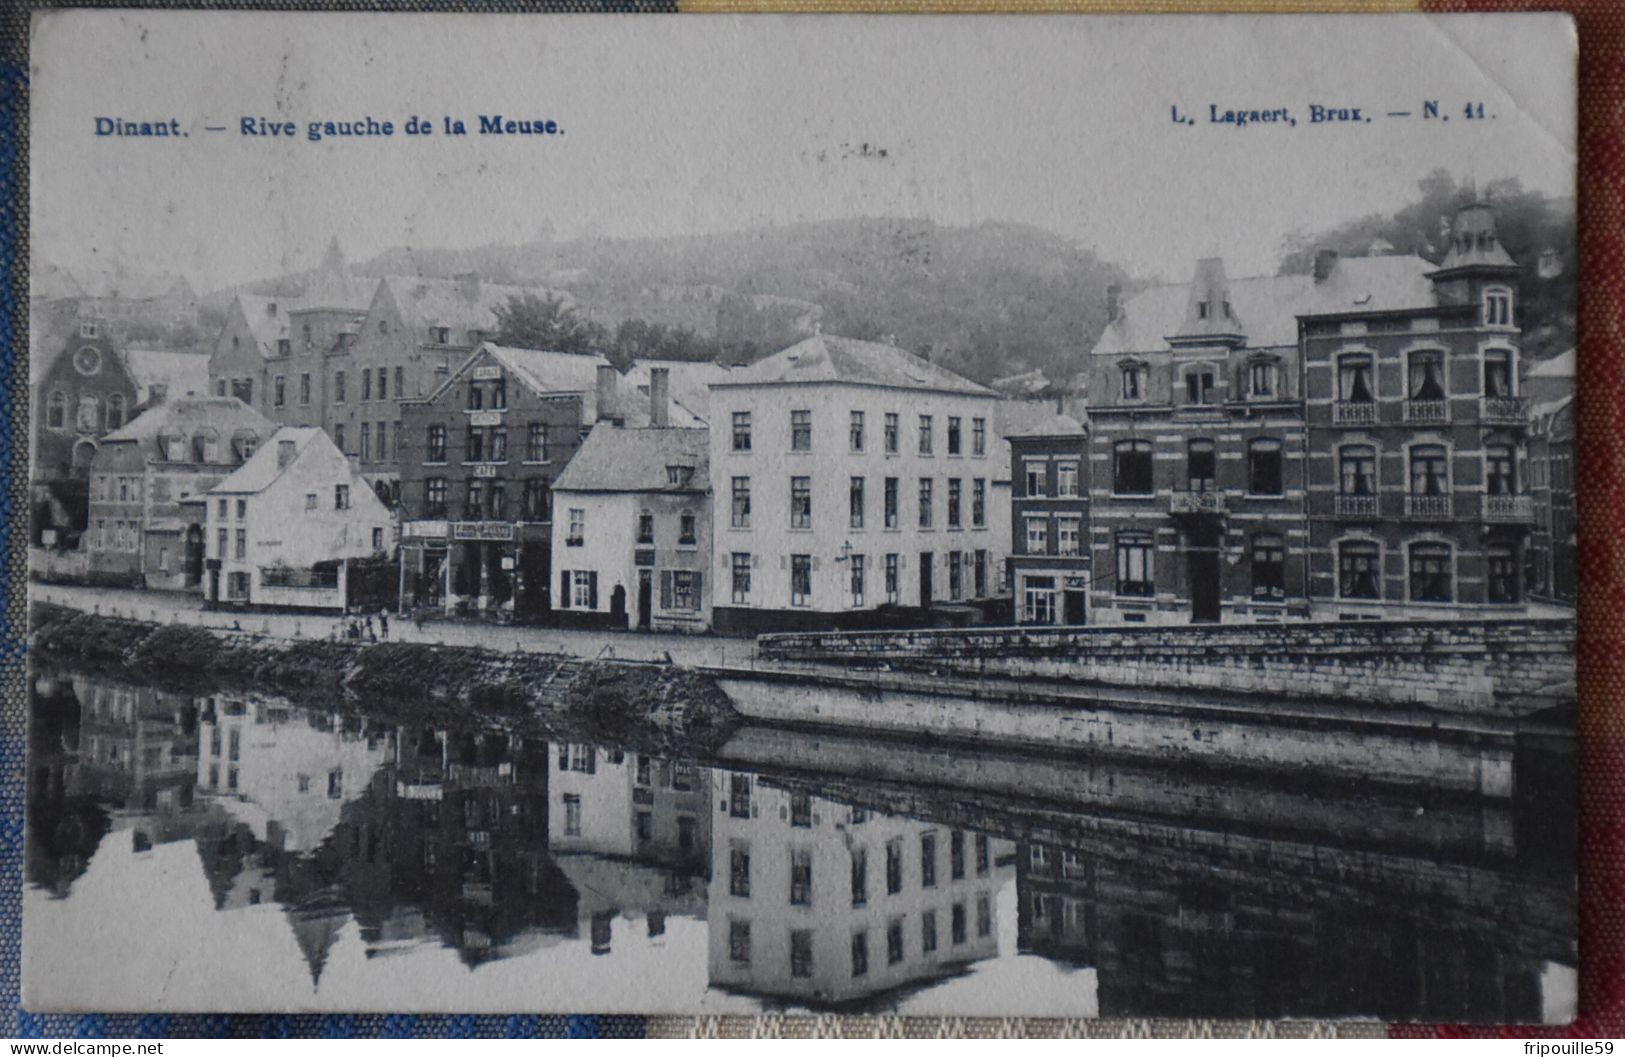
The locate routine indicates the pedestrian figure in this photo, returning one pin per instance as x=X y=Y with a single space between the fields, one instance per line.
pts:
x=383 y=623
x=372 y=636
x=236 y=626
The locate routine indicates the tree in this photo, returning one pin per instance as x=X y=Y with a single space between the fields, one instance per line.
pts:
x=533 y=322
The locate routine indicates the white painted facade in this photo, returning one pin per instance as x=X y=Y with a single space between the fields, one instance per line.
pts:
x=829 y=539
x=298 y=502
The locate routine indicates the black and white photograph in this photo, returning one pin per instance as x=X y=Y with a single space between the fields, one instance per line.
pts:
x=959 y=516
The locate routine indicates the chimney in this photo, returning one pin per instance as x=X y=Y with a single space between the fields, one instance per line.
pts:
x=1325 y=261
x=659 y=397
x=1114 y=295
x=607 y=376
x=468 y=283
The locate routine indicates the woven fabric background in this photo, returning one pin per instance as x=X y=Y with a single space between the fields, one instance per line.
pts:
x=1601 y=28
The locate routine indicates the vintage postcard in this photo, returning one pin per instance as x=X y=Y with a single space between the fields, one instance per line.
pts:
x=1047 y=515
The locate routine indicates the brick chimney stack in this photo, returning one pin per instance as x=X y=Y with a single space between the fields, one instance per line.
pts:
x=659 y=397
x=605 y=395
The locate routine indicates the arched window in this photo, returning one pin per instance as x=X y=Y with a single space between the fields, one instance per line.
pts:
x=1497 y=306
x=1264 y=475
x=1359 y=569
x=1425 y=377
x=1269 y=567
x=1431 y=572
x=88 y=418
x=1356 y=383
x=1131 y=468
x=1357 y=469
x=56 y=410
x=1501 y=584
x=115 y=411
x=1498 y=374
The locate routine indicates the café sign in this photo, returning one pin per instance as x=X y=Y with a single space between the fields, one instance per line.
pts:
x=482 y=530
x=488 y=374
x=485 y=418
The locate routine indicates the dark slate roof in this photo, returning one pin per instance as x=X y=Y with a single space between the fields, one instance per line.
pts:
x=635 y=460
x=1032 y=418
x=826 y=358
x=187 y=415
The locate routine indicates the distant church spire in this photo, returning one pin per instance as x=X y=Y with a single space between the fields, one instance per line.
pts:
x=333 y=260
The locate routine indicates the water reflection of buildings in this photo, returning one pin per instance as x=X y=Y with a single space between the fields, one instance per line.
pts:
x=819 y=902
x=633 y=834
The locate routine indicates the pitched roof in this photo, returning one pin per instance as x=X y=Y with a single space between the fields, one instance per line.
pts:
x=1032 y=418
x=183 y=373
x=544 y=370
x=635 y=460
x=690 y=387
x=1559 y=366
x=264 y=467
x=426 y=302
x=267 y=319
x=224 y=414
x=1267 y=307
x=826 y=358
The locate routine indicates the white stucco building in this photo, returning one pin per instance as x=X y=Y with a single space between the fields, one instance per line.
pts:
x=280 y=528
x=849 y=476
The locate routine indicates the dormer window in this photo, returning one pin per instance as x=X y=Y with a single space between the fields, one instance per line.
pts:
x=1263 y=378
x=282 y=346
x=1498 y=307
x=87 y=329
x=678 y=476
x=1201 y=309
x=1199 y=384
x=270 y=308
x=1134 y=377
x=442 y=335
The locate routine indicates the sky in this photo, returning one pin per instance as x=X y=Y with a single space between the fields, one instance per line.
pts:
x=693 y=124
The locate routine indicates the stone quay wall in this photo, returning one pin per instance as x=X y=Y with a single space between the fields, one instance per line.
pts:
x=1506 y=667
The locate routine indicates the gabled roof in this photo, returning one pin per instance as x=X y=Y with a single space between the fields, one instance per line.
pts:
x=1269 y=305
x=182 y=373
x=426 y=302
x=635 y=460
x=1032 y=418
x=690 y=387
x=546 y=371
x=267 y=319
x=262 y=468
x=826 y=358
x=224 y=414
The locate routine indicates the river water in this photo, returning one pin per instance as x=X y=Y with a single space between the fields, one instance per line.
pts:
x=234 y=852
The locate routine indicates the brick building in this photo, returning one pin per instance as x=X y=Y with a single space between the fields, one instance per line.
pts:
x=1049 y=519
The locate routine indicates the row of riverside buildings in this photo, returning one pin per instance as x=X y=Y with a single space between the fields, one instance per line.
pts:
x=1361 y=441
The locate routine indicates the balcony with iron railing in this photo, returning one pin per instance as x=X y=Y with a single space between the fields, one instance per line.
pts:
x=1357 y=506
x=1429 y=507
x=1503 y=411
x=1354 y=413
x=1196 y=504
x=1427 y=412
x=1509 y=508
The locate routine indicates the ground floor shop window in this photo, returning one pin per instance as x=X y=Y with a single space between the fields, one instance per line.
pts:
x=1502 y=581
x=1135 y=565
x=1038 y=599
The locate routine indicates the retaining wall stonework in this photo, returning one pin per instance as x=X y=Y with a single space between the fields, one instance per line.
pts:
x=1472 y=665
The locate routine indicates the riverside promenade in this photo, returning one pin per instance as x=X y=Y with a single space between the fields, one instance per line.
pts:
x=166 y=608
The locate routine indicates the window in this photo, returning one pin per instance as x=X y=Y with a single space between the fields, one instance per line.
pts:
x=1269 y=567
x=335 y=784
x=801 y=502
x=1037 y=478
x=1201 y=465
x=1199 y=384
x=980 y=567
x=242 y=509
x=801 y=953
x=894 y=866
x=955 y=490
x=1355 y=379
x=1430 y=474
x=1262 y=378
x=894 y=941
x=400 y=382
x=741 y=430
x=499 y=392
x=1134 y=565
x=741 y=502
x=892 y=577
x=739 y=871
x=304 y=390
x=1430 y=569
x=341 y=497
x=1066 y=479
x=1131 y=467
x=366 y=384
x=578 y=527
x=436 y=448
x=377 y=539
x=800 y=810
x=928 y=860
x=953 y=435
x=978 y=436
x=474 y=501
x=1498 y=373
x=801 y=431
x=856 y=431
x=338 y=387
x=687 y=529
x=860 y=952
x=857 y=578
x=956 y=855
x=1497 y=307
x=1502 y=584
x=1425 y=378
x=476 y=397
x=1038 y=600
x=536 y=442
x=925 y=434
x=434 y=497
x=1069 y=536
x=800 y=877
x=1264 y=467
x=957 y=923
x=56 y=412
x=926 y=487
x=982 y=856
x=646 y=527
x=497 y=502
x=338 y=438
x=890 y=501
x=1500 y=473
x=892 y=430
x=1357 y=470
x=383 y=383
x=984 y=916
x=740 y=566
x=739 y=796
x=366 y=443
x=585 y=593
x=685 y=590
x=383 y=441
x=1133 y=378
x=801 y=579
x=928 y=931
x=1038 y=535
x=860 y=875
x=240 y=552
x=739 y=941
x=855 y=503
x=572 y=815
x=978 y=503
